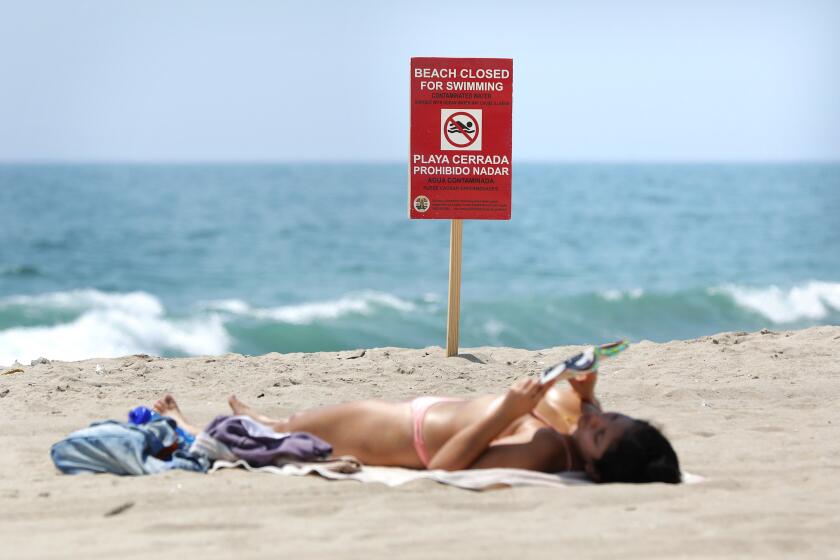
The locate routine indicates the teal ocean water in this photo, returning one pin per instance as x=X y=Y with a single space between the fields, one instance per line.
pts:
x=106 y=260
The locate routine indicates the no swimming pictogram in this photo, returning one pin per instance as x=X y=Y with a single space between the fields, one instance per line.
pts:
x=468 y=127
x=460 y=129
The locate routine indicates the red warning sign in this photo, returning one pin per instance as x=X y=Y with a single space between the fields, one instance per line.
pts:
x=460 y=153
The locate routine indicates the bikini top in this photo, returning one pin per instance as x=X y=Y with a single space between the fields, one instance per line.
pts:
x=541 y=418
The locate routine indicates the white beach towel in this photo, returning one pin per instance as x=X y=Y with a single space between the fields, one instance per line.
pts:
x=475 y=479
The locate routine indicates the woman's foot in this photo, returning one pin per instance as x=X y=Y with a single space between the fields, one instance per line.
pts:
x=167 y=406
x=241 y=409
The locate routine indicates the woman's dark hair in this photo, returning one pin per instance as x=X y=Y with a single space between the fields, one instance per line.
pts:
x=641 y=454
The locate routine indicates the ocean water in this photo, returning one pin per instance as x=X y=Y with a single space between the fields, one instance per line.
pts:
x=107 y=260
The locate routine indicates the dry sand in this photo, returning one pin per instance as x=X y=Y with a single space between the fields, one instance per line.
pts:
x=754 y=413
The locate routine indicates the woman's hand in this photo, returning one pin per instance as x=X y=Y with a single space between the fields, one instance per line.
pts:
x=523 y=396
x=584 y=386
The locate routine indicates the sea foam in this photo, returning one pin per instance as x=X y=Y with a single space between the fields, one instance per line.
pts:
x=812 y=300
x=140 y=302
x=618 y=295
x=108 y=325
x=363 y=303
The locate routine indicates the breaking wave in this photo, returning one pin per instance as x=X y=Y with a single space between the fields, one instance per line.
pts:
x=364 y=303
x=82 y=324
x=90 y=323
x=810 y=301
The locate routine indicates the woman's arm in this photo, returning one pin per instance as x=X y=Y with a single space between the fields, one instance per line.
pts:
x=462 y=449
x=540 y=453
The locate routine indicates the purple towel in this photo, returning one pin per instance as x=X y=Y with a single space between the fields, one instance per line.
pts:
x=260 y=446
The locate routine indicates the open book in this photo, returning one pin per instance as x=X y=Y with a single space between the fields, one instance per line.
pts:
x=584 y=362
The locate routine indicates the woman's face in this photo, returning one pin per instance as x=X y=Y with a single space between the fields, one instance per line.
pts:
x=596 y=432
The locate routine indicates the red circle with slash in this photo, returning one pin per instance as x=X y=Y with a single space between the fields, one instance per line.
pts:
x=470 y=139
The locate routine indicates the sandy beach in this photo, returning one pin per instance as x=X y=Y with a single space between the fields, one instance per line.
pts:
x=753 y=413
x=299 y=203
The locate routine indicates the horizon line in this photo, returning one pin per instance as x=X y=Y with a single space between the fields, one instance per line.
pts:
x=340 y=161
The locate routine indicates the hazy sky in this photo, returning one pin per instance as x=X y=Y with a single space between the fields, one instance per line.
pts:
x=252 y=80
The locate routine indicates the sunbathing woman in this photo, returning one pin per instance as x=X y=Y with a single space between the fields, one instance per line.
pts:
x=531 y=426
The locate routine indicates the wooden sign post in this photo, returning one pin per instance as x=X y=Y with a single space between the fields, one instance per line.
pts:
x=455 y=239
x=460 y=153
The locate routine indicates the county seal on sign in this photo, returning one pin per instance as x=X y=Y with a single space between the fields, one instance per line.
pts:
x=421 y=203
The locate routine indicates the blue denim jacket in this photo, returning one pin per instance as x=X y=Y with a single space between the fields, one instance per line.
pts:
x=125 y=449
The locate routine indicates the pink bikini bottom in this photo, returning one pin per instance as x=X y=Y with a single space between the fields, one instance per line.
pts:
x=419 y=407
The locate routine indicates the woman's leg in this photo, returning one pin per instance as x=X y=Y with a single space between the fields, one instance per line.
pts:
x=310 y=420
x=376 y=432
x=240 y=408
x=168 y=407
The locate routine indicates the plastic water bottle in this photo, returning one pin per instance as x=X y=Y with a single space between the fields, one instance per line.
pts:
x=143 y=415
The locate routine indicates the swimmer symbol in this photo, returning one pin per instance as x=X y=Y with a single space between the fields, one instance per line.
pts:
x=460 y=129
x=457 y=127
